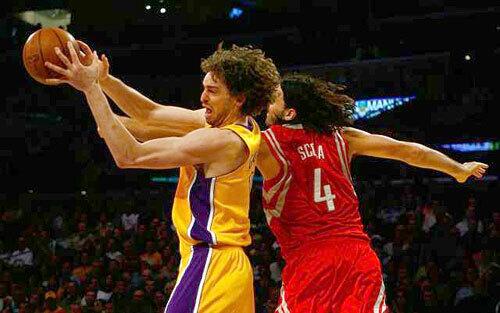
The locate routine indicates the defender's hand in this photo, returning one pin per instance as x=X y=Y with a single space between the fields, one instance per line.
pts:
x=475 y=169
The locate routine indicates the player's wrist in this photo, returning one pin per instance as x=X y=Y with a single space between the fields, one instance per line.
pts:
x=104 y=80
x=91 y=88
x=459 y=172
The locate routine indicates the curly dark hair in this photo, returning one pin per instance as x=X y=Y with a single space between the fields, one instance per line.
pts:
x=321 y=106
x=246 y=71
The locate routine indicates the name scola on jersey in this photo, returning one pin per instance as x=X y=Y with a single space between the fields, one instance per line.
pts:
x=309 y=150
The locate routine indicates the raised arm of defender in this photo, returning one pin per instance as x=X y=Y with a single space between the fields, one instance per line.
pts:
x=363 y=143
x=179 y=121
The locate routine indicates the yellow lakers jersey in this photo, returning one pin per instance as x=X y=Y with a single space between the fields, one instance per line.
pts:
x=215 y=210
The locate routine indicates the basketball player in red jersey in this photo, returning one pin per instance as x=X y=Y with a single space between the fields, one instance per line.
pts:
x=310 y=202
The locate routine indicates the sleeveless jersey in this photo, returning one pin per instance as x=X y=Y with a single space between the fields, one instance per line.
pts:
x=215 y=210
x=312 y=199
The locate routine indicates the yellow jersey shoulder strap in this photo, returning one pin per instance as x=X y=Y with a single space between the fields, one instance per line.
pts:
x=249 y=133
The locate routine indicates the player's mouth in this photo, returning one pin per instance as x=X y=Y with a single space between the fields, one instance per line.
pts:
x=208 y=111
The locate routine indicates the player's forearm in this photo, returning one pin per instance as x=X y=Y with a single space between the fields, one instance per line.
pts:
x=425 y=157
x=129 y=100
x=177 y=121
x=133 y=127
x=143 y=132
x=120 y=142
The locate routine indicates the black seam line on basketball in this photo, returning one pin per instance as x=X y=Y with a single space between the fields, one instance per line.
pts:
x=59 y=39
x=40 y=50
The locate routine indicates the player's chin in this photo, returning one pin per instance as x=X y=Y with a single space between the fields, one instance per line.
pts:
x=211 y=120
x=209 y=117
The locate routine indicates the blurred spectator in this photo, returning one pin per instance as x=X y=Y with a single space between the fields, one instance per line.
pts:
x=160 y=301
x=6 y=301
x=391 y=212
x=140 y=304
x=105 y=292
x=75 y=308
x=129 y=219
x=78 y=240
x=109 y=308
x=470 y=219
x=51 y=303
x=429 y=215
x=120 y=296
x=70 y=295
x=35 y=303
x=89 y=301
x=112 y=249
x=23 y=256
x=81 y=271
x=152 y=257
x=443 y=242
x=467 y=287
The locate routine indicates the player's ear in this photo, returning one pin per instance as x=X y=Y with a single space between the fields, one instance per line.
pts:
x=290 y=114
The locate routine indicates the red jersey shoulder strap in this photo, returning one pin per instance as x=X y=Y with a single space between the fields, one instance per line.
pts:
x=343 y=149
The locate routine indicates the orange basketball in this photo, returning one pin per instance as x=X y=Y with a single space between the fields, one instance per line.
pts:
x=39 y=48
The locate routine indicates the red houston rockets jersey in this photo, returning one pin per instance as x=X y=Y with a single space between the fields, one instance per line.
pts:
x=312 y=199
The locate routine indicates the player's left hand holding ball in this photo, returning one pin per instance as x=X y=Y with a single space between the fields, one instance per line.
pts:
x=76 y=74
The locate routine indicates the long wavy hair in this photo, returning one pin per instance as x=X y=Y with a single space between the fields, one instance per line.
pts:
x=321 y=106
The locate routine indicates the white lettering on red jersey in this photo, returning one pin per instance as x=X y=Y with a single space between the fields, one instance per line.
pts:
x=312 y=198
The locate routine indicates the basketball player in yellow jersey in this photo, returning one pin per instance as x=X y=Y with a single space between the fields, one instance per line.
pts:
x=217 y=163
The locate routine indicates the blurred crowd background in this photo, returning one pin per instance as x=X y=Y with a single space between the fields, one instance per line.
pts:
x=438 y=246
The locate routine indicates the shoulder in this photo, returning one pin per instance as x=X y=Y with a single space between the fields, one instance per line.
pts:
x=273 y=133
x=273 y=128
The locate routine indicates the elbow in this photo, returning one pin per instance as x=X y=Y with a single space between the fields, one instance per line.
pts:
x=122 y=164
x=145 y=116
x=124 y=161
x=128 y=157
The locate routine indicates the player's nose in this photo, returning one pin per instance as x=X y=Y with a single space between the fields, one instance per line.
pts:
x=203 y=97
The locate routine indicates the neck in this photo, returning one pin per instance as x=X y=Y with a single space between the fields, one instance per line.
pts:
x=233 y=119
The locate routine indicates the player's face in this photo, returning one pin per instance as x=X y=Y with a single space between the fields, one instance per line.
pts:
x=218 y=102
x=276 y=110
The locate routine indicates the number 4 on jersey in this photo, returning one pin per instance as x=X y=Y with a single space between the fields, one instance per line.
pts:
x=328 y=197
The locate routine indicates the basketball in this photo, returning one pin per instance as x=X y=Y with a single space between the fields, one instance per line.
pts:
x=39 y=48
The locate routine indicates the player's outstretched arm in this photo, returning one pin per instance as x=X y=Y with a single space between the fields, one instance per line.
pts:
x=143 y=109
x=364 y=143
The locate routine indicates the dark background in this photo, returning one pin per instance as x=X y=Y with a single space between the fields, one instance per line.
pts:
x=48 y=141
